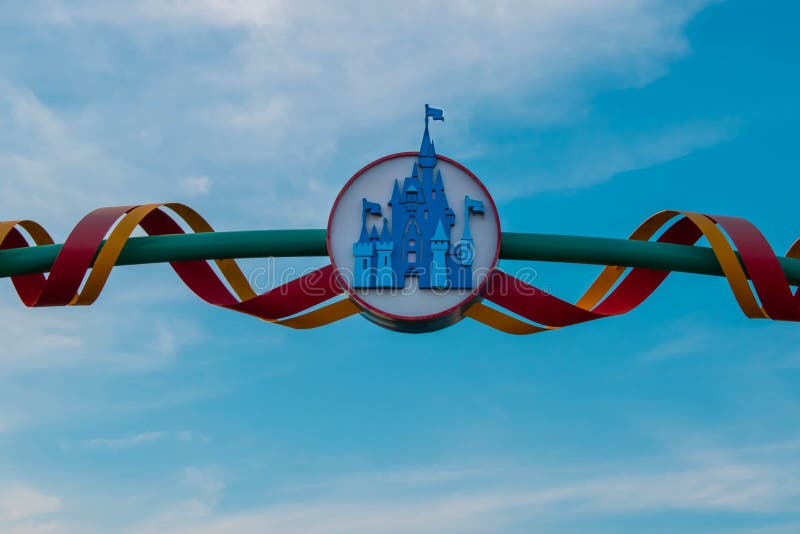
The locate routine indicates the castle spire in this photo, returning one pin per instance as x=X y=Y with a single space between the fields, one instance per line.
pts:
x=385 y=236
x=439 y=234
x=427 y=152
x=395 y=200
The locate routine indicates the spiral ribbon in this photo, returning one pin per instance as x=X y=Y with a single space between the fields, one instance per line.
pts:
x=62 y=287
x=87 y=257
x=757 y=260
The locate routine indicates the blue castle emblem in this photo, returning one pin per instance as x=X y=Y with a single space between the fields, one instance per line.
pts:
x=417 y=242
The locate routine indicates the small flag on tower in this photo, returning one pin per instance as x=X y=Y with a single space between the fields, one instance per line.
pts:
x=434 y=113
x=473 y=206
x=370 y=207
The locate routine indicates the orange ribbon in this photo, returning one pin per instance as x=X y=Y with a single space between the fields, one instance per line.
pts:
x=78 y=251
x=600 y=300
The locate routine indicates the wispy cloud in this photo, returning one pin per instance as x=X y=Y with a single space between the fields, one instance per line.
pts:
x=507 y=497
x=44 y=346
x=55 y=339
x=127 y=441
x=19 y=502
x=756 y=480
x=592 y=159
x=195 y=185
x=743 y=345
x=50 y=169
x=27 y=510
x=687 y=336
x=277 y=95
x=143 y=438
x=207 y=481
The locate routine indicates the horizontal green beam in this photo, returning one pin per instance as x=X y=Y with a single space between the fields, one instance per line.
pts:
x=625 y=252
x=165 y=248
x=296 y=243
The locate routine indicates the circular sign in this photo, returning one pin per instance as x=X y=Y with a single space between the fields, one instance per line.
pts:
x=413 y=237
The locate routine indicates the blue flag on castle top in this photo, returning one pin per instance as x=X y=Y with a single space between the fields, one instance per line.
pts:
x=472 y=205
x=370 y=207
x=434 y=113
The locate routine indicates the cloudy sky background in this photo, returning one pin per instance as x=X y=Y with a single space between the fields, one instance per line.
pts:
x=151 y=412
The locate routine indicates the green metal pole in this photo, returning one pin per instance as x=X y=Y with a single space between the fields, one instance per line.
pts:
x=296 y=243
x=625 y=252
x=610 y=251
x=165 y=248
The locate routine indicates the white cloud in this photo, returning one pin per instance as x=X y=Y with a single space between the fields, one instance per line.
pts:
x=697 y=336
x=209 y=12
x=141 y=438
x=288 y=95
x=684 y=343
x=736 y=489
x=590 y=160
x=508 y=497
x=188 y=435
x=207 y=480
x=305 y=80
x=115 y=340
x=22 y=502
x=761 y=480
x=46 y=527
x=130 y=441
x=49 y=169
x=127 y=441
x=105 y=340
x=126 y=330
x=194 y=185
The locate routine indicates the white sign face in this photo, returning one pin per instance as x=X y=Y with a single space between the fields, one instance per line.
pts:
x=413 y=238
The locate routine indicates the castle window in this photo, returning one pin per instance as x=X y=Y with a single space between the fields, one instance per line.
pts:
x=385 y=261
x=411 y=242
x=364 y=263
x=433 y=195
x=425 y=215
x=411 y=196
x=412 y=257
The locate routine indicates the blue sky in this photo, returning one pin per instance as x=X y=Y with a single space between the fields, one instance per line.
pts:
x=152 y=412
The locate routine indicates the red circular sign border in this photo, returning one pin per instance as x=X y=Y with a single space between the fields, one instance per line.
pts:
x=403 y=318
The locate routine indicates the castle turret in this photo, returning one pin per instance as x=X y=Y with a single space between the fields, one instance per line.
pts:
x=439 y=245
x=362 y=271
x=384 y=274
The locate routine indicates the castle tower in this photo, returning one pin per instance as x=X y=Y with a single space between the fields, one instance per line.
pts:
x=412 y=240
x=439 y=245
x=384 y=274
x=362 y=271
x=427 y=161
